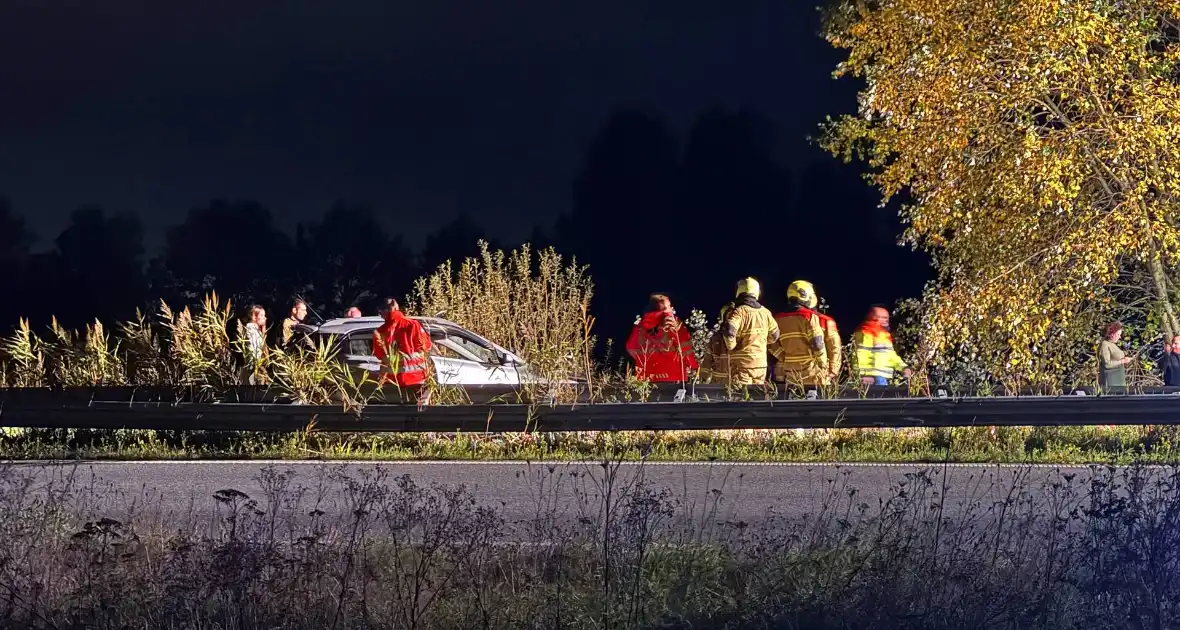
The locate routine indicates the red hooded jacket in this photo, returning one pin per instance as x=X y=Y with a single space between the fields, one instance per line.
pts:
x=408 y=340
x=661 y=348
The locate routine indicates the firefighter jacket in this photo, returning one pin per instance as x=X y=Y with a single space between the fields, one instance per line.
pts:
x=662 y=349
x=833 y=346
x=801 y=353
x=403 y=348
x=743 y=340
x=875 y=356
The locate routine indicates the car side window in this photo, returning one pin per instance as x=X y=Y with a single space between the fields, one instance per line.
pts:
x=485 y=354
x=361 y=344
x=439 y=349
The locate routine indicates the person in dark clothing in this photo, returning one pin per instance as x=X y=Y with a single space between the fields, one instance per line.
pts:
x=1170 y=363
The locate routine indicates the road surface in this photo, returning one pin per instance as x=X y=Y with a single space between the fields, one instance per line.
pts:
x=179 y=495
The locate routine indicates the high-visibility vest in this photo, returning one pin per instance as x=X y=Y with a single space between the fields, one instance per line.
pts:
x=875 y=356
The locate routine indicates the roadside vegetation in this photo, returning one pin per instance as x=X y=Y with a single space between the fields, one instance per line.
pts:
x=1011 y=162
x=601 y=547
x=536 y=304
x=1044 y=445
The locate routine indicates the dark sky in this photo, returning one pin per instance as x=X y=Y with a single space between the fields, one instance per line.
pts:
x=424 y=109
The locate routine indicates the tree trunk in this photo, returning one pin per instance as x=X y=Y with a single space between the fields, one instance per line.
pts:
x=1167 y=312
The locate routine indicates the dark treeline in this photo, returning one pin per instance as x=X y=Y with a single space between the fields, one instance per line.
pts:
x=648 y=213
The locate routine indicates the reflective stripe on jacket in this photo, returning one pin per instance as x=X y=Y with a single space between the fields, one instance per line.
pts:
x=661 y=348
x=874 y=352
x=800 y=350
x=407 y=363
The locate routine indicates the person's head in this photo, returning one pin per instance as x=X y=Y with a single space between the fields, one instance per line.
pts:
x=878 y=315
x=258 y=316
x=801 y=293
x=389 y=306
x=1114 y=331
x=353 y=312
x=299 y=310
x=658 y=302
x=1176 y=344
x=750 y=287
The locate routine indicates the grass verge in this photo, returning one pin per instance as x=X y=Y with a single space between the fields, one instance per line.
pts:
x=1053 y=445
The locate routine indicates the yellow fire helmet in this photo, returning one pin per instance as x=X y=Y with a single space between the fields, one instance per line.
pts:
x=751 y=286
x=802 y=291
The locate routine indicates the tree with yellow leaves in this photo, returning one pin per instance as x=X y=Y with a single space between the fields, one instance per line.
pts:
x=1039 y=143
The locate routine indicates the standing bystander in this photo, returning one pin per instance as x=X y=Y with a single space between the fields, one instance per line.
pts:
x=1112 y=361
x=1170 y=363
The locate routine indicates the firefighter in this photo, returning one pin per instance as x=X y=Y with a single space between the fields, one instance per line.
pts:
x=801 y=351
x=833 y=346
x=403 y=348
x=661 y=345
x=876 y=360
x=740 y=345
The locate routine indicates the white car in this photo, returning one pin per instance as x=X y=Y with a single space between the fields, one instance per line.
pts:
x=460 y=356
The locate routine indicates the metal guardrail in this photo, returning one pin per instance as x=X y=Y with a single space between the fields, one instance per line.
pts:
x=167 y=409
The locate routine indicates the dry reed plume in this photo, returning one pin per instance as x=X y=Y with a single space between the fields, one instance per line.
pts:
x=596 y=545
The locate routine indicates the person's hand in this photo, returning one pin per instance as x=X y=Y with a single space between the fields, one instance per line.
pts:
x=868 y=380
x=907 y=372
x=1126 y=360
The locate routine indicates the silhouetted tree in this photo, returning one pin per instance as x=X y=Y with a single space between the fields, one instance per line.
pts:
x=347 y=259
x=455 y=242
x=231 y=247
x=866 y=265
x=738 y=195
x=98 y=270
x=15 y=239
x=625 y=218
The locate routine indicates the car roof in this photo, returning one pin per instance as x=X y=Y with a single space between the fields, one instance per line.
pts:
x=344 y=325
x=341 y=326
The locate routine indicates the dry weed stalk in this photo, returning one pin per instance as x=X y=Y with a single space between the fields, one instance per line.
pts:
x=24 y=357
x=200 y=345
x=148 y=361
x=85 y=360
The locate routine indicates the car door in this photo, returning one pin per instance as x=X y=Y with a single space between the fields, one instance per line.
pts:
x=357 y=352
x=482 y=362
x=455 y=364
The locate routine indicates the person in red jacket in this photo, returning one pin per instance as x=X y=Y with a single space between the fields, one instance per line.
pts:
x=660 y=345
x=403 y=347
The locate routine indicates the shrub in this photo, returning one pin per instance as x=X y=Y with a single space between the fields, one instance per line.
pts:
x=537 y=306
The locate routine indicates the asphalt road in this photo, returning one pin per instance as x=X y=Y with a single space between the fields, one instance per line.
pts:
x=179 y=495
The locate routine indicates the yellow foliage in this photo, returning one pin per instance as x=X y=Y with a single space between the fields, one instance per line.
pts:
x=1038 y=142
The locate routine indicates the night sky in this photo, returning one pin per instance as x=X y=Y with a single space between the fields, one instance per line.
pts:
x=422 y=109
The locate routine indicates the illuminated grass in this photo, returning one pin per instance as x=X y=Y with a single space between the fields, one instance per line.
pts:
x=1061 y=445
